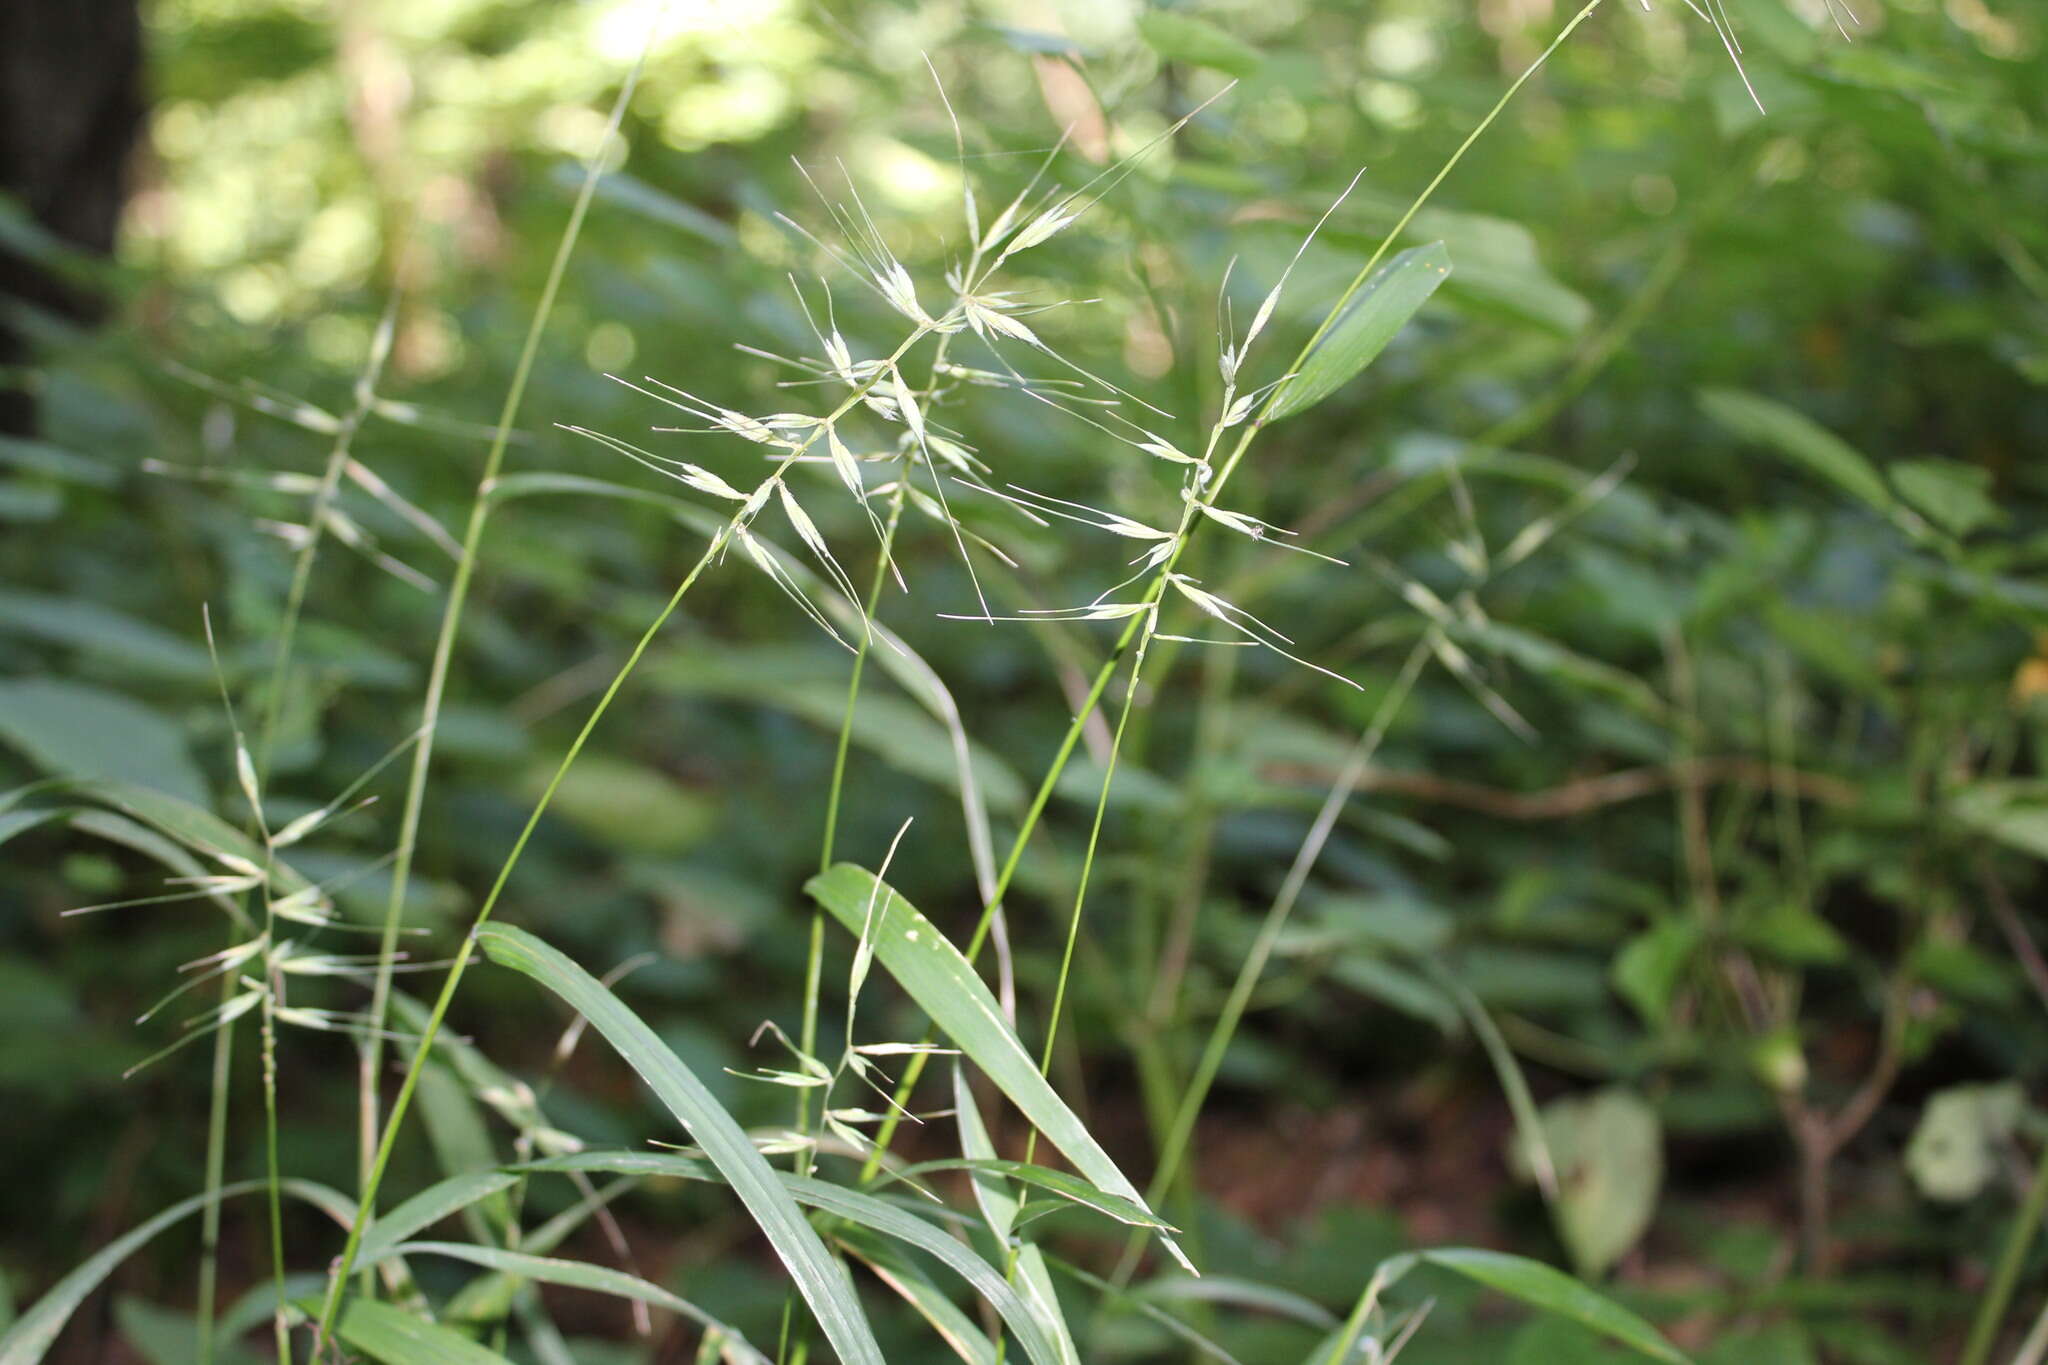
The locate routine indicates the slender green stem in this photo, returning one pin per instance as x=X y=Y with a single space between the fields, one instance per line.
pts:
x=1998 y=1295
x=371 y=1061
x=1175 y=1149
x=814 y=961
x=915 y=1070
x=1340 y=1349
x=338 y=457
x=216 y=1171
x=280 y=1328
x=1059 y=994
x=712 y=552
x=453 y=980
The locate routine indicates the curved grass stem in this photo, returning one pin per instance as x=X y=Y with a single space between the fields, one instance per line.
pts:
x=371 y=1061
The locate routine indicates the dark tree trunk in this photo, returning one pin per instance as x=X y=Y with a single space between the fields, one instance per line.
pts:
x=70 y=105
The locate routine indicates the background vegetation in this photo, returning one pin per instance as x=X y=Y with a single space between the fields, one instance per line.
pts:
x=1695 y=528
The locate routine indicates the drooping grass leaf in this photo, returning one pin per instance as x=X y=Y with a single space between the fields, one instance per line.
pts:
x=429 y=1207
x=1381 y=308
x=818 y=1277
x=1546 y=1288
x=999 y=1206
x=1041 y=1339
x=397 y=1337
x=1057 y=1182
x=895 y=1268
x=105 y=633
x=942 y=982
x=33 y=1332
x=582 y=1275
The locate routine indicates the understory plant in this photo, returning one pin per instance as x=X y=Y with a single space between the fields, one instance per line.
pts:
x=890 y=383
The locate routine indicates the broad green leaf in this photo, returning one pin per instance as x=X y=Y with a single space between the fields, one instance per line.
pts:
x=2014 y=812
x=1609 y=1153
x=582 y=1275
x=456 y=1132
x=1396 y=987
x=1791 y=932
x=40 y=457
x=103 y=632
x=1381 y=308
x=1037 y=1335
x=30 y=1337
x=1238 y=1293
x=1647 y=970
x=944 y=985
x=18 y=822
x=77 y=730
x=644 y=199
x=397 y=1337
x=1196 y=42
x=819 y=1278
x=1546 y=1288
x=427 y=1208
x=627 y=805
x=165 y=1336
x=1956 y=1146
x=1804 y=441
x=908 y=738
x=28 y=504
x=1955 y=496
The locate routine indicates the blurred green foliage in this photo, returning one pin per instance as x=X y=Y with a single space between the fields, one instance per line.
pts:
x=1760 y=865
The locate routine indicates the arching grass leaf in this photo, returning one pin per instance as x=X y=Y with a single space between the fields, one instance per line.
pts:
x=33 y=1332
x=582 y=1275
x=1028 y=1324
x=1546 y=1288
x=942 y=982
x=819 y=1278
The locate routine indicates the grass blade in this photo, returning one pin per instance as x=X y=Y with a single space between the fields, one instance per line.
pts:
x=1024 y=1320
x=1547 y=1288
x=1356 y=339
x=580 y=1275
x=935 y=974
x=819 y=1278
x=32 y=1334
